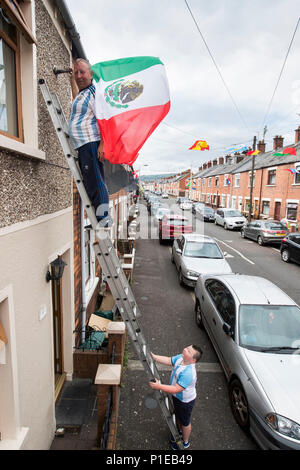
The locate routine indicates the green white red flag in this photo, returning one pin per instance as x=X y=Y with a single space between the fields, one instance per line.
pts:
x=132 y=97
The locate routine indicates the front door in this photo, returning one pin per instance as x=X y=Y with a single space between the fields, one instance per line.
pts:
x=277 y=210
x=57 y=331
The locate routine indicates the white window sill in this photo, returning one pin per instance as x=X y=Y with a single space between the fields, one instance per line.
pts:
x=18 y=147
x=15 y=444
x=90 y=288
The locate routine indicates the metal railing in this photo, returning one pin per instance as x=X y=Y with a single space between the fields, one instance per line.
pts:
x=109 y=410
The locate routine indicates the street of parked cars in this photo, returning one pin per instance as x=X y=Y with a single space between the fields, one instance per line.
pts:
x=253 y=325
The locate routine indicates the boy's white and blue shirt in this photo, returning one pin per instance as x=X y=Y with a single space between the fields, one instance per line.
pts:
x=83 y=126
x=186 y=377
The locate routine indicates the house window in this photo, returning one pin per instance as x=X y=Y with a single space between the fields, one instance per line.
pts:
x=237 y=180
x=266 y=207
x=217 y=181
x=297 y=178
x=209 y=182
x=291 y=211
x=271 y=176
x=10 y=110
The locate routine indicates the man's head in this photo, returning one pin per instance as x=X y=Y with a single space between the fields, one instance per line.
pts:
x=83 y=74
x=192 y=354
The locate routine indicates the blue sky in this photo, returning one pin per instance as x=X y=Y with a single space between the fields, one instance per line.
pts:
x=248 y=39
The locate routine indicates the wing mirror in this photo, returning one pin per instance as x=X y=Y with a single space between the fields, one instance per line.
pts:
x=178 y=250
x=227 y=329
x=225 y=253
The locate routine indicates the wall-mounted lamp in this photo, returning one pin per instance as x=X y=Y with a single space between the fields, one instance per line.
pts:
x=58 y=267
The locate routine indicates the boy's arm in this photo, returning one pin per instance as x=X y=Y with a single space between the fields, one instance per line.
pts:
x=162 y=359
x=166 y=388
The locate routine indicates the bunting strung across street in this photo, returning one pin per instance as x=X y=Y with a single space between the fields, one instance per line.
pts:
x=291 y=170
x=132 y=97
x=228 y=181
x=200 y=145
x=286 y=151
x=242 y=148
x=253 y=152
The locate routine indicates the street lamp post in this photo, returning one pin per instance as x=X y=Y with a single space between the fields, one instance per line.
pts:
x=252 y=177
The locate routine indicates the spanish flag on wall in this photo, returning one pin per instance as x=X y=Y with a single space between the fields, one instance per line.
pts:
x=199 y=145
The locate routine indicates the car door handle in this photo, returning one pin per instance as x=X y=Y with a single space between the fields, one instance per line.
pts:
x=214 y=321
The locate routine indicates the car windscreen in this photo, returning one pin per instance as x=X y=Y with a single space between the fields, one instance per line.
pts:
x=232 y=214
x=270 y=328
x=162 y=211
x=274 y=226
x=177 y=222
x=202 y=250
x=207 y=210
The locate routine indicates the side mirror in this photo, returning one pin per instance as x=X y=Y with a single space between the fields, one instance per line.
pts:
x=225 y=253
x=227 y=329
x=178 y=250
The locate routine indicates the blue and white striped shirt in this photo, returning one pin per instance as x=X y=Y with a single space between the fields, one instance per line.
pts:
x=186 y=377
x=83 y=126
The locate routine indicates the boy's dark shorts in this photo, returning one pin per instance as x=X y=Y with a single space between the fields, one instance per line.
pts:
x=183 y=410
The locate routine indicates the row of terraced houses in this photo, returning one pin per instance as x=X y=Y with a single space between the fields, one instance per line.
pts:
x=226 y=182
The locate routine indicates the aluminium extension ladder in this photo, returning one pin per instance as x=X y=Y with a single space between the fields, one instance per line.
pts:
x=109 y=262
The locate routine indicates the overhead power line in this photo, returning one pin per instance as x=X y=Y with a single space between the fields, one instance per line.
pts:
x=216 y=65
x=281 y=71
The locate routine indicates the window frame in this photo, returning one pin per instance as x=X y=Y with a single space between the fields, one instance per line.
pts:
x=16 y=49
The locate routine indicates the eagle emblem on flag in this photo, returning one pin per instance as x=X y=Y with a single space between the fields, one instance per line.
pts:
x=121 y=92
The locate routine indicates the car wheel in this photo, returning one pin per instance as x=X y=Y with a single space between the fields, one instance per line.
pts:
x=242 y=233
x=198 y=315
x=239 y=404
x=260 y=240
x=285 y=255
x=216 y=223
x=180 y=278
x=225 y=226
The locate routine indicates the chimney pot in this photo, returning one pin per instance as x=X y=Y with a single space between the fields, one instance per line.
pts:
x=261 y=146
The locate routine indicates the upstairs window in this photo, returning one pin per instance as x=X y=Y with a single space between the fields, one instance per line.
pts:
x=271 y=176
x=12 y=25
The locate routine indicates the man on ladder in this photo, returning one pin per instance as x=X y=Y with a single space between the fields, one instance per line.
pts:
x=85 y=134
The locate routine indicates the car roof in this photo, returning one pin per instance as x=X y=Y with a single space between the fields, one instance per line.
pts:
x=195 y=237
x=175 y=216
x=254 y=290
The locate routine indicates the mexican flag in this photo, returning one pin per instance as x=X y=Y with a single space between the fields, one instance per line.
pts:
x=132 y=98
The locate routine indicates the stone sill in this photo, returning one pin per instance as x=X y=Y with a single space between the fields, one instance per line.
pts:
x=15 y=444
x=18 y=147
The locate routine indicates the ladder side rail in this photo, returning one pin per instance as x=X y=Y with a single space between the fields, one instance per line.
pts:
x=117 y=288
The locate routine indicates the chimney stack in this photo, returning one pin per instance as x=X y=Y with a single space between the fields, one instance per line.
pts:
x=278 y=142
x=200 y=168
x=215 y=162
x=221 y=161
x=261 y=146
x=204 y=166
x=297 y=135
x=208 y=164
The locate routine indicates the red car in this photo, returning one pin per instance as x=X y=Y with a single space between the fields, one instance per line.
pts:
x=172 y=226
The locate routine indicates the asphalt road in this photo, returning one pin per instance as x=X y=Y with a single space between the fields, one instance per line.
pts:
x=168 y=325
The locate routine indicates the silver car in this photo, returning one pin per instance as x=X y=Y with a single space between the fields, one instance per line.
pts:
x=230 y=219
x=264 y=231
x=195 y=254
x=255 y=329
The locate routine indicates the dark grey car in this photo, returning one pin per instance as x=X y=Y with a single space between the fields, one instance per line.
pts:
x=264 y=231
